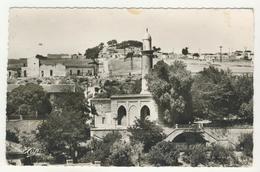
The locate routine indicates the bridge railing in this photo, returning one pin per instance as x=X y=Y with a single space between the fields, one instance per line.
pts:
x=190 y=126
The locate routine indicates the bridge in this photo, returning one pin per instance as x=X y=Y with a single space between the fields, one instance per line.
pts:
x=204 y=133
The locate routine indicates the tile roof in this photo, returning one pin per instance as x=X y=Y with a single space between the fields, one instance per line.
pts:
x=68 y=62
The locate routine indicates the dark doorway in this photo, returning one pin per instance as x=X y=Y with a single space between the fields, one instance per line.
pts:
x=121 y=116
x=145 y=111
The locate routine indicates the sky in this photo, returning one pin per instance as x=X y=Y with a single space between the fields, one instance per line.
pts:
x=57 y=30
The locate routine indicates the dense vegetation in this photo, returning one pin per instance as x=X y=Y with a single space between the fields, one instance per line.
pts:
x=163 y=154
x=146 y=132
x=92 y=53
x=129 y=43
x=219 y=95
x=170 y=86
x=28 y=101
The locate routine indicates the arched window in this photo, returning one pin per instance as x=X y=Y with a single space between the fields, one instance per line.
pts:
x=51 y=72
x=24 y=73
x=121 y=116
x=145 y=111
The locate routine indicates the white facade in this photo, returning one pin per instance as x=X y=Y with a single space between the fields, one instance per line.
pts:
x=33 y=66
x=52 y=70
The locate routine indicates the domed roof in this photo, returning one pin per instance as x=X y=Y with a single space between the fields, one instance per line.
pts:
x=147 y=35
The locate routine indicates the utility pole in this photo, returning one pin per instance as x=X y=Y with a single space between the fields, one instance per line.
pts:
x=220 y=53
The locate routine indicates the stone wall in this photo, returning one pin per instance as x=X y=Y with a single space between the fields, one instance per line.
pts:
x=231 y=134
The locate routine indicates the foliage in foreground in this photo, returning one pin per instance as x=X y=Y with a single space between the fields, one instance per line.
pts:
x=146 y=132
x=246 y=144
x=163 y=154
x=62 y=132
x=11 y=136
x=112 y=150
x=196 y=155
x=220 y=155
x=124 y=154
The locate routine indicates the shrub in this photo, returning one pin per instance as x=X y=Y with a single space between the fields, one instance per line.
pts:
x=121 y=154
x=246 y=144
x=223 y=156
x=11 y=136
x=87 y=157
x=196 y=155
x=101 y=149
x=146 y=132
x=163 y=154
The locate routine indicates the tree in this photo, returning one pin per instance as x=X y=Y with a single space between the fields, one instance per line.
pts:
x=113 y=87
x=62 y=133
x=72 y=101
x=112 y=42
x=196 y=55
x=146 y=132
x=246 y=144
x=163 y=154
x=217 y=94
x=66 y=126
x=12 y=136
x=92 y=53
x=223 y=156
x=196 y=155
x=170 y=86
x=27 y=100
x=246 y=111
x=128 y=44
x=156 y=49
x=39 y=56
x=101 y=149
x=185 y=51
x=121 y=154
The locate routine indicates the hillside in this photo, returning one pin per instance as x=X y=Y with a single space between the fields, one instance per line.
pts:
x=123 y=67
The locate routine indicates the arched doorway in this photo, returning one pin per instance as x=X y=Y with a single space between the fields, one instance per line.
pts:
x=121 y=116
x=145 y=111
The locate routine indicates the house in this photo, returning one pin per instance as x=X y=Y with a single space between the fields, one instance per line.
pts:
x=14 y=67
x=61 y=67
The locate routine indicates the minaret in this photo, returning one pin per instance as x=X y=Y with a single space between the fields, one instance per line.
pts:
x=147 y=60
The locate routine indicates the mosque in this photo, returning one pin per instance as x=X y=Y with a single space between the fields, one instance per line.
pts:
x=120 y=111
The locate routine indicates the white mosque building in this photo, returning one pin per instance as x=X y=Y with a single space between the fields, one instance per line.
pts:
x=120 y=111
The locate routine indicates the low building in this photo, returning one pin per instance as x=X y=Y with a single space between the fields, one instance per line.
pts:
x=53 y=67
x=14 y=67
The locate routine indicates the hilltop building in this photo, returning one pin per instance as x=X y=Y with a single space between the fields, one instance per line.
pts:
x=51 y=66
x=120 y=111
